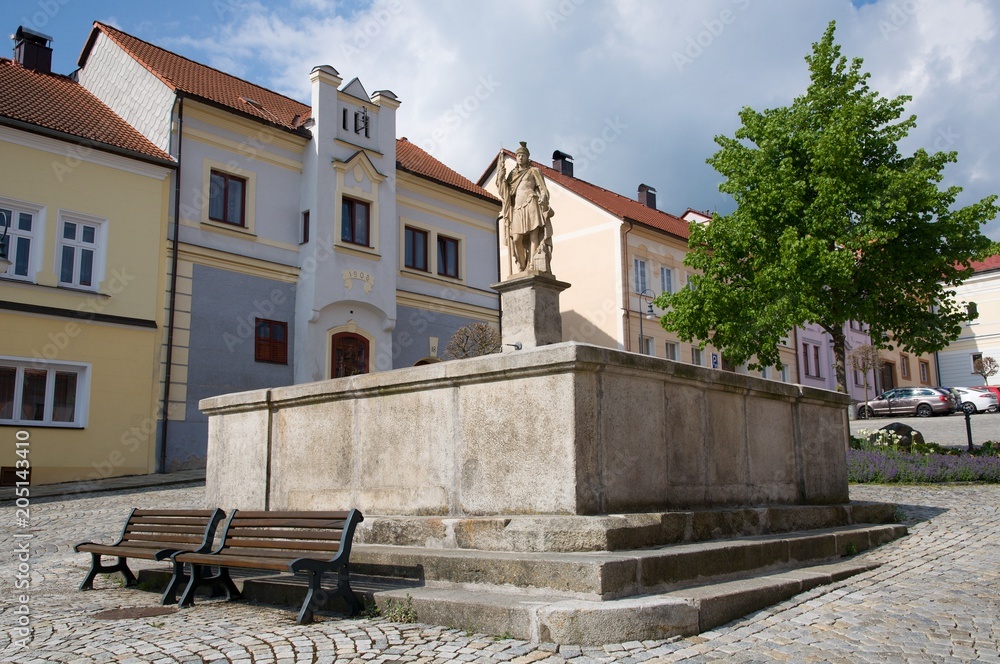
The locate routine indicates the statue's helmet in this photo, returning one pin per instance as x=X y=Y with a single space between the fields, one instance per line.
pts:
x=523 y=149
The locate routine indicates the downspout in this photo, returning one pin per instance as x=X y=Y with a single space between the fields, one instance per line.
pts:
x=625 y=298
x=798 y=362
x=172 y=291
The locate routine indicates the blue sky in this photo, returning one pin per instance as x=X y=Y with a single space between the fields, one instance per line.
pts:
x=635 y=90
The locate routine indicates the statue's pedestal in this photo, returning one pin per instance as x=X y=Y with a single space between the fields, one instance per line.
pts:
x=530 y=305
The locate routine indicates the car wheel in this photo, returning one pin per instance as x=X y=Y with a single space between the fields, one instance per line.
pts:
x=924 y=410
x=865 y=413
x=969 y=408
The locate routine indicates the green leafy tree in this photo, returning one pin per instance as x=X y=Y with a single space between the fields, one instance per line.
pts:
x=832 y=224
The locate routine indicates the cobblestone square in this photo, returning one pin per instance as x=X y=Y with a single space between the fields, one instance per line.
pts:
x=936 y=598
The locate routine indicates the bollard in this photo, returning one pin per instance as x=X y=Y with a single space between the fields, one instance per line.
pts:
x=968 y=429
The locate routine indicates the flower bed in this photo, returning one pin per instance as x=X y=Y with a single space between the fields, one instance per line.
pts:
x=877 y=457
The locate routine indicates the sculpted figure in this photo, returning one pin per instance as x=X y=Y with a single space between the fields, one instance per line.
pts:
x=526 y=213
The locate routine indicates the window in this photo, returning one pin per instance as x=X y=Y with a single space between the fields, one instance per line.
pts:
x=447 y=256
x=270 y=341
x=697 y=356
x=304 y=237
x=33 y=392
x=355 y=222
x=858 y=378
x=904 y=366
x=925 y=372
x=810 y=360
x=640 y=274
x=416 y=249
x=972 y=311
x=21 y=226
x=672 y=350
x=349 y=355
x=646 y=344
x=784 y=374
x=666 y=280
x=227 y=198
x=976 y=357
x=80 y=264
x=765 y=372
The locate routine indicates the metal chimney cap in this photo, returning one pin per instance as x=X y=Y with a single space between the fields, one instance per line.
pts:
x=23 y=32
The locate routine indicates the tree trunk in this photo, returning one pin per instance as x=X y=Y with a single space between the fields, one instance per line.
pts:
x=840 y=357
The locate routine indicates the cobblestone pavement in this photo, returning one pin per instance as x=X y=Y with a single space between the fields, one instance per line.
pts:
x=936 y=598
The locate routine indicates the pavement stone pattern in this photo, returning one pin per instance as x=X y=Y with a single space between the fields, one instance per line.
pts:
x=936 y=598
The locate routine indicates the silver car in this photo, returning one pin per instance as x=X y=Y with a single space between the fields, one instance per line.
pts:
x=977 y=400
x=919 y=401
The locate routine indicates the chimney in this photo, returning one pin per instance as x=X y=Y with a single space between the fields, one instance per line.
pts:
x=647 y=196
x=32 y=50
x=563 y=162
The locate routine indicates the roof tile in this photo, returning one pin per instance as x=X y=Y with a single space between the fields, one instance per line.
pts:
x=59 y=103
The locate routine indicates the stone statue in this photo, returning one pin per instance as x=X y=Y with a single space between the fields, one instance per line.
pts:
x=526 y=213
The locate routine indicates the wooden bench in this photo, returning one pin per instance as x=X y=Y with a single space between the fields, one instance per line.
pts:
x=309 y=542
x=153 y=535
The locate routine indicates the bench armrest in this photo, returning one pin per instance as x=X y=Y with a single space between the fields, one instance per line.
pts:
x=121 y=535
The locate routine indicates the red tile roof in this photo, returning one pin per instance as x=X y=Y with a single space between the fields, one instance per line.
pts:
x=58 y=103
x=990 y=263
x=624 y=208
x=201 y=81
x=195 y=79
x=415 y=160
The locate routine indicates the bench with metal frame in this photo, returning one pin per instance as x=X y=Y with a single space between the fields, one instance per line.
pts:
x=289 y=541
x=153 y=535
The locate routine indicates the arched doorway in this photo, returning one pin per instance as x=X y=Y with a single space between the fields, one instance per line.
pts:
x=348 y=355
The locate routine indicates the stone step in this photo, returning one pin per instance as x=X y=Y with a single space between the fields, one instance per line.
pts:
x=557 y=619
x=607 y=575
x=613 y=532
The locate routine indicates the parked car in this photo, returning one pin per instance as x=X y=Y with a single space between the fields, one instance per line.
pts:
x=919 y=401
x=992 y=388
x=977 y=400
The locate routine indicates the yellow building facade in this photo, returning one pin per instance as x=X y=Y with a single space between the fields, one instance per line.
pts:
x=81 y=304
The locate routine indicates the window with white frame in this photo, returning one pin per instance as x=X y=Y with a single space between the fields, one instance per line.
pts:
x=24 y=233
x=765 y=372
x=925 y=372
x=80 y=251
x=639 y=266
x=697 y=356
x=43 y=393
x=666 y=280
x=976 y=357
x=783 y=374
x=673 y=350
x=646 y=344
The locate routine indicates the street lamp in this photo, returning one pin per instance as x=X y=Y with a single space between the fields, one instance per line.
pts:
x=4 y=241
x=649 y=314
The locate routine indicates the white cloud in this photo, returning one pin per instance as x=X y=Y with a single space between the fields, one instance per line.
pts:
x=635 y=90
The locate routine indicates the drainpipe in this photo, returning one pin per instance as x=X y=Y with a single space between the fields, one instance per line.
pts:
x=172 y=292
x=625 y=296
x=798 y=362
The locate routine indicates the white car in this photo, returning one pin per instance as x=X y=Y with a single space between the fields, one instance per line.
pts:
x=977 y=400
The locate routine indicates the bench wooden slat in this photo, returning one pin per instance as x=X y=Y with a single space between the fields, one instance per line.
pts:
x=199 y=513
x=168 y=521
x=293 y=514
x=330 y=548
x=193 y=530
x=333 y=534
x=166 y=541
x=282 y=522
